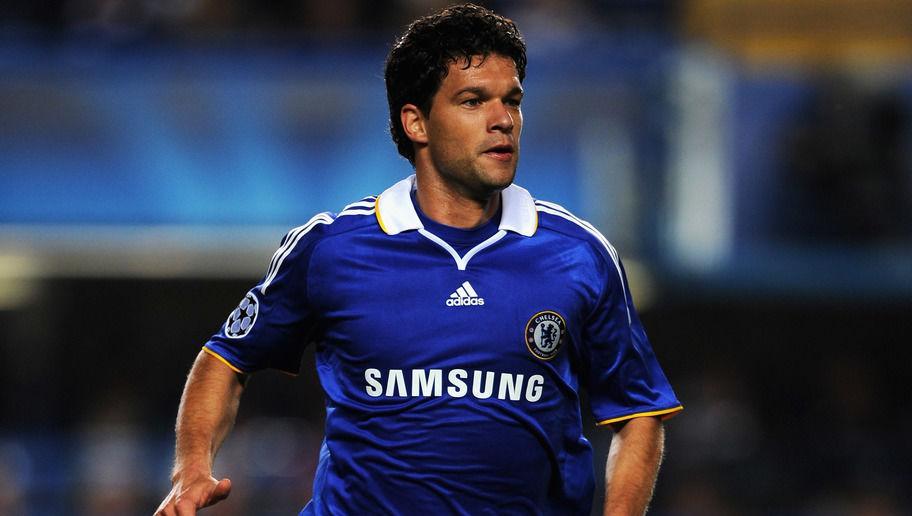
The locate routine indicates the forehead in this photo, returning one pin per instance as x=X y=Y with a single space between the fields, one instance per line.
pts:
x=493 y=72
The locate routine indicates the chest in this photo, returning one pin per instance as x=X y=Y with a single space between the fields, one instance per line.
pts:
x=406 y=302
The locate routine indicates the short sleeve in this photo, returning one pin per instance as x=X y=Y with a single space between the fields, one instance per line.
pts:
x=271 y=325
x=622 y=374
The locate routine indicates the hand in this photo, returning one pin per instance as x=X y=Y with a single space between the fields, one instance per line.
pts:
x=190 y=493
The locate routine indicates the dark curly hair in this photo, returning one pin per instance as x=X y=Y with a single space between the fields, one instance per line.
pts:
x=419 y=59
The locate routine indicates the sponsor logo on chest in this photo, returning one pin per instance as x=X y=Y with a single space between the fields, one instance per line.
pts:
x=455 y=383
x=465 y=295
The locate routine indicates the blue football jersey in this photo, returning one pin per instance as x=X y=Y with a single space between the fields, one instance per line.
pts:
x=452 y=375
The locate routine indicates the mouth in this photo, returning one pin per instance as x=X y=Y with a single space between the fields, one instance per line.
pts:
x=500 y=152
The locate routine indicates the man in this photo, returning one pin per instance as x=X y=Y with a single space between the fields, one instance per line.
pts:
x=455 y=319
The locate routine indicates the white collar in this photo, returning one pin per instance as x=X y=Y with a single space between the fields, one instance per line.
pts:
x=396 y=213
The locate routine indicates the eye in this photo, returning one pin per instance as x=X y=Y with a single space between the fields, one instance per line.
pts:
x=473 y=102
x=513 y=102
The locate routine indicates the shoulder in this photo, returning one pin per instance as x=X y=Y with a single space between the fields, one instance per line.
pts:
x=298 y=243
x=359 y=214
x=556 y=219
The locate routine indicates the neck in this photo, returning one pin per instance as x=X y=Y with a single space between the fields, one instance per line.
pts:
x=443 y=204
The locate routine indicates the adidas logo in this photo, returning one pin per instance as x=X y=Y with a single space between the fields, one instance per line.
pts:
x=465 y=296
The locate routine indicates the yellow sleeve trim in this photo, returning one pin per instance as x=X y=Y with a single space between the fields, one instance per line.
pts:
x=377 y=213
x=222 y=360
x=667 y=413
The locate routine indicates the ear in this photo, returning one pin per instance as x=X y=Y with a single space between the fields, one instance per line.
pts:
x=413 y=122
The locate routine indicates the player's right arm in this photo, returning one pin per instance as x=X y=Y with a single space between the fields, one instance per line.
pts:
x=207 y=412
x=268 y=330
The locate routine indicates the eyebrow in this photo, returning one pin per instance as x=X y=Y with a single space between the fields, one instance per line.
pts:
x=481 y=92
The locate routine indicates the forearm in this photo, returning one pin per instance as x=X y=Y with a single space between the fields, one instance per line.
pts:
x=633 y=464
x=207 y=412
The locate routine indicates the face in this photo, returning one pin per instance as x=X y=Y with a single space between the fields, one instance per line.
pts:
x=474 y=126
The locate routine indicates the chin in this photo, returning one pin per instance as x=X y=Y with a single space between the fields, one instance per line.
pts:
x=500 y=179
x=488 y=184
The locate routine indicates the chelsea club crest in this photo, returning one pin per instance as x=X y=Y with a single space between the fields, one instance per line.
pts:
x=545 y=333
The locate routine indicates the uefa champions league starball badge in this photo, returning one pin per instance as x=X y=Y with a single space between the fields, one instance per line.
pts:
x=545 y=334
x=243 y=317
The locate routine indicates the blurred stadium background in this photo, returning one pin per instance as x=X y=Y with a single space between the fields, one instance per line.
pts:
x=751 y=160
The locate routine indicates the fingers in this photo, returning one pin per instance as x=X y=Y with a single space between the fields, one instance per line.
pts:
x=167 y=506
x=171 y=507
x=185 y=508
x=185 y=502
x=221 y=491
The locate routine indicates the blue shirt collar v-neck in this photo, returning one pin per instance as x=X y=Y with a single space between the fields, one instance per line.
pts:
x=460 y=239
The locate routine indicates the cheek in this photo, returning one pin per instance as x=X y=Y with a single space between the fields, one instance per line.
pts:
x=445 y=143
x=453 y=134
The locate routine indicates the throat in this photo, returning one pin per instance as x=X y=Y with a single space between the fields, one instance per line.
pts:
x=456 y=211
x=461 y=238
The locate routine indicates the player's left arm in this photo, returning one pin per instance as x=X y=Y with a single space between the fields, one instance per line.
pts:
x=633 y=465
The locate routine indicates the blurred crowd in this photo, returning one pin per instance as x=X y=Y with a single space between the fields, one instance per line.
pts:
x=334 y=20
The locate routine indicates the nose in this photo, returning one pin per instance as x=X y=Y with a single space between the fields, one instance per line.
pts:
x=500 y=118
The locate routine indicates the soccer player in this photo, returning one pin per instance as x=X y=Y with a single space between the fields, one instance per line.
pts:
x=455 y=319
